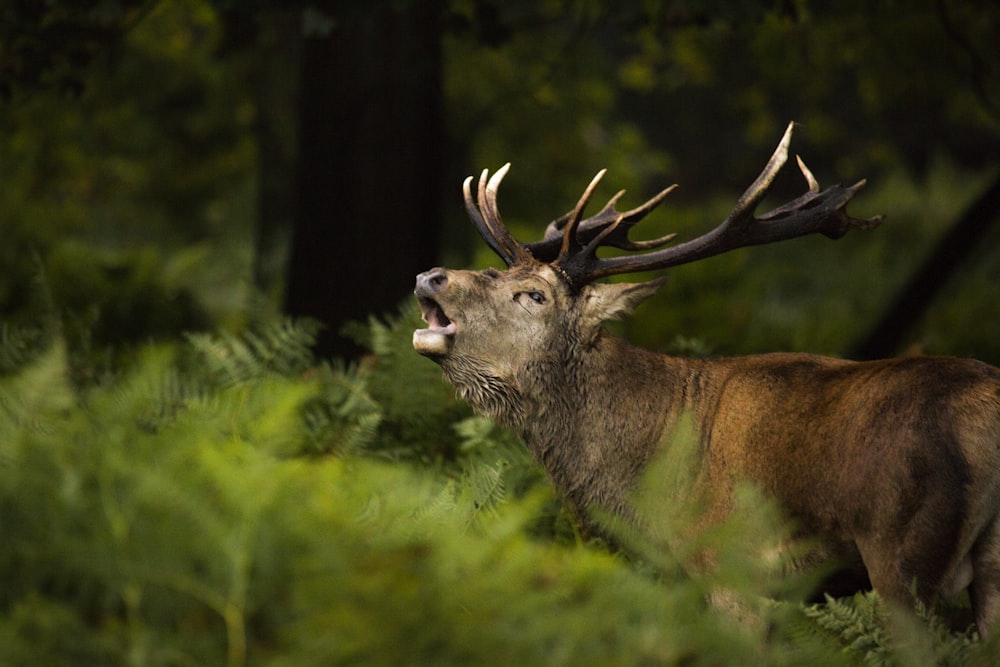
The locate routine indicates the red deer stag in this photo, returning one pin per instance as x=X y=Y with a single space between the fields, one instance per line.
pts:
x=891 y=464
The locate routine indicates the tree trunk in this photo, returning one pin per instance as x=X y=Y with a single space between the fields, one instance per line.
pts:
x=276 y=86
x=886 y=337
x=370 y=159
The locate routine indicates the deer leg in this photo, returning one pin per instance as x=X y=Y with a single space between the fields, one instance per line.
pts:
x=984 y=591
x=923 y=564
x=887 y=572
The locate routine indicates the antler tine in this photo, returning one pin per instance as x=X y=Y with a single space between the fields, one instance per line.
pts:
x=477 y=218
x=810 y=179
x=473 y=211
x=617 y=235
x=747 y=203
x=569 y=241
x=486 y=216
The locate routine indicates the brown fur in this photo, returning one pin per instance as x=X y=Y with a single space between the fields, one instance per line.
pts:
x=895 y=463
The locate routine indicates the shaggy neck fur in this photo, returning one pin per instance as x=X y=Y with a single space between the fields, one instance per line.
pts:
x=592 y=415
x=495 y=398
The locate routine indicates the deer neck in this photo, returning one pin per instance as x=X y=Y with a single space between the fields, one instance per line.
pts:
x=594 y=417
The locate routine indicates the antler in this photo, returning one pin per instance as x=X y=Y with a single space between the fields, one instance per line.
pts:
x=486 y=217
x=570 y=243
x=584 y=231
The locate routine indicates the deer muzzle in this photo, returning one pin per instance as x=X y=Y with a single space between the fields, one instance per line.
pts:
x=436 y=339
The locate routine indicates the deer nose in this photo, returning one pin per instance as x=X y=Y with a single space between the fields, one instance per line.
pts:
x=431 y=282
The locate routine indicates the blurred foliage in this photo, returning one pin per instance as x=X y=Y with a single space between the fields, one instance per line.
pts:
x=709 y=81
x=128 y=205
x=865 y=626
x=161 y=181
x=182 y=513
x=51 y=44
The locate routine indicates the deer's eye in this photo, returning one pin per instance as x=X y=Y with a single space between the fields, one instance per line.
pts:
x=537 y=297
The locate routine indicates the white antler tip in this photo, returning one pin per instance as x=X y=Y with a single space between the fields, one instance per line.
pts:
x=494 y=183
x=786 y=140
x=810 y=179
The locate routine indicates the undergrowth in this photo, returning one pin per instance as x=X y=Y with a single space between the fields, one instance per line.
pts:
x=230 y=500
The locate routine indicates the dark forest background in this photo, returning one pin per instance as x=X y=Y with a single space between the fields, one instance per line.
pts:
x=211 y=158
x=216 y=443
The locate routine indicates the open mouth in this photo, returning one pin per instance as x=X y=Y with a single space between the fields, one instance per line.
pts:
x=436 y=339
x=434 y=315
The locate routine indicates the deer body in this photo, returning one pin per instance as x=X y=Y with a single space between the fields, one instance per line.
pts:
x=890 y=466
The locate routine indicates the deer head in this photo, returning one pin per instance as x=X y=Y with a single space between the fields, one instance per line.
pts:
x=487 y=327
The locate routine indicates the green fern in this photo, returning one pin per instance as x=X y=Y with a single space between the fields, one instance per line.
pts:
x=419 y=407
x=880 y=635
x=19 y=345
x=483 y=489
x=342 y=418
x=207 y=506
x=280 y=347
x=927 y=639
x=440 y=509
x=42 y=387
x=858 y=623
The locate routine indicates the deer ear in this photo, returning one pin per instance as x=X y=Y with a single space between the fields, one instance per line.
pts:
x=613 y=301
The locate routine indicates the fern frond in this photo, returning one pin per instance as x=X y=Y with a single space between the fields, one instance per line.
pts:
x=19 y=345
x=343 y=417
x=281 y=347
x=439 y=510
x=38 y=392
x=858 y=624
x=925 y=638
x=483 y=490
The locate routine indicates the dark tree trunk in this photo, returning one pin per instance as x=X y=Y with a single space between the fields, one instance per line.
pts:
x=370 y=157
x=887 y=336
x=279 y=50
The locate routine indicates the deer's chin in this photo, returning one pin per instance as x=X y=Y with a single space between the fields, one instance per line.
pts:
x=434 y=341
